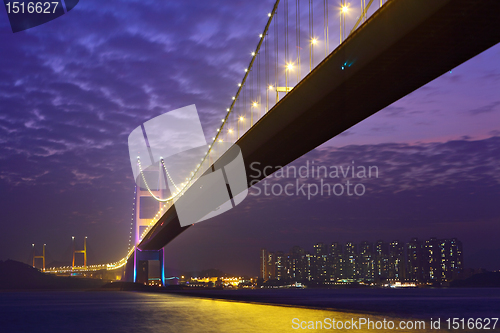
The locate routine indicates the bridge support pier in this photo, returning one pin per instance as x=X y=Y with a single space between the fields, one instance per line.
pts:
x=146 y=267
x=39 y=257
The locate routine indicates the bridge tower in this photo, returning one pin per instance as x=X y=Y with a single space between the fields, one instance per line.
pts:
x=39 y=257
x=147 y=267
x=84 y=252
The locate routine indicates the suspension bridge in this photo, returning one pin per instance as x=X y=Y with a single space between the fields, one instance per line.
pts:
x=318 y=69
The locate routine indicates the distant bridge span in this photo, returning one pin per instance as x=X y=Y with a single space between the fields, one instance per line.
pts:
x=403 y=46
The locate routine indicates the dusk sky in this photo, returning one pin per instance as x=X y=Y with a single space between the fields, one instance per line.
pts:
x=72 y=90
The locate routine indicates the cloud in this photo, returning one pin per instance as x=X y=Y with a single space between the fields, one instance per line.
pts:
x=403 y=167
x=80 y=84
x=394 y=111
x=486 y=108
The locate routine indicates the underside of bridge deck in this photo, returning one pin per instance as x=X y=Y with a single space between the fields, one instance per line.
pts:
x=403 y=46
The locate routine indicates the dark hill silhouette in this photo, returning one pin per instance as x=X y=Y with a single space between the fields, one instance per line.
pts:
x=487 y=280
x=15 y=275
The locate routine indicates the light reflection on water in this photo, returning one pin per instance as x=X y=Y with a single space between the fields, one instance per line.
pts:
x=141 y=312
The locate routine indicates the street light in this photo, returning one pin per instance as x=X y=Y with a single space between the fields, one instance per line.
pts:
x=267 y=96
x=343 y=10
x=288 y=68
x=255 y=105
x=240 y=119
x=311 y=52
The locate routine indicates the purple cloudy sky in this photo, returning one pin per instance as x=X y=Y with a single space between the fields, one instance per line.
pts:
x=73 y=89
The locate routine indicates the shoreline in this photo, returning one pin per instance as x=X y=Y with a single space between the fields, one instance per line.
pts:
x=230 y=298
x=398 y=303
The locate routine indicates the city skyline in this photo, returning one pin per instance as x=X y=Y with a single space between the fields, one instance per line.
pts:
x=417 y=261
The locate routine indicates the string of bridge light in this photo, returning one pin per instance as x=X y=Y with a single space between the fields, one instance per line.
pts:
x=168 y=174
x=149 y=189
x=168 y=201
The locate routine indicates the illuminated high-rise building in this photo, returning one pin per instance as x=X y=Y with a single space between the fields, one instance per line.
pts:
x=366 y=261
x=281 y=260
x=267 y=265
x=335 y=262
x=310 y=269
x=320 y=271
x=414 y=255
x=432 y=260
x=296 y=264
x=271 y=266
x=350 y=270
x=452 y=263
x=381 y=260
x=396 y=271
x=263 y=272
